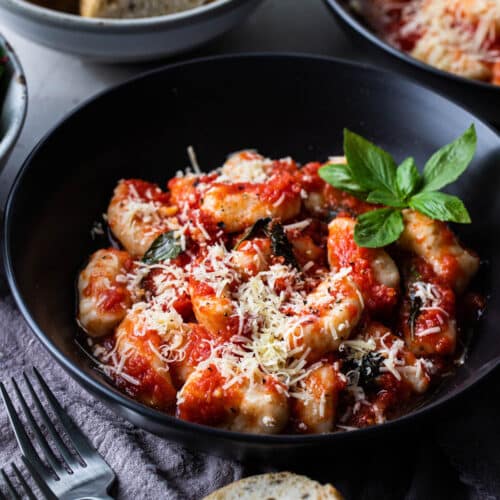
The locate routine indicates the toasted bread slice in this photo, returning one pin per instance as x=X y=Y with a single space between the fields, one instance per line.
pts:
x=123 y=9
x=276 y=486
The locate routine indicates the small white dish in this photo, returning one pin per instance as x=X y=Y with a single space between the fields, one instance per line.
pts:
x=13 y=102
x=124 y=40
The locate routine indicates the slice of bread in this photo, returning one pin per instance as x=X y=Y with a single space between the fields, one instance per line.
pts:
x=276 y=486
x=126 y=9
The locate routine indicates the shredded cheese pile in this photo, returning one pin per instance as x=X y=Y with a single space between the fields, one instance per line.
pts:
x=263 y=346
x=454 y=35
x=470 y=26
x=254 y=170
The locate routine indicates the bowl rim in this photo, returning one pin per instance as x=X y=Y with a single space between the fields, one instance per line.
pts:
x=18 y=78
x=350 y=19
x=44 y=15
x=110 y=394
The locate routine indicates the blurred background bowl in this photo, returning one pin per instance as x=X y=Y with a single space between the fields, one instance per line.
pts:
x=124 y=40
x=479 y=97
x=13 y=102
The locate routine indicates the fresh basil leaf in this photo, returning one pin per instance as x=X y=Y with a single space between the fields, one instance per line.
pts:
x=378 y=228
x=371 y=167
x=340 y=177
x=280 y=244
x=440 y=206
x=252 y=231
x=415 y=309
x=407 y=178
x=166 y=246
x=385 y=198
x=365 y=367
x=449 y=162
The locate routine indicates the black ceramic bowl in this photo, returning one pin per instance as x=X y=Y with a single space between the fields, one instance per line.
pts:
x=480 y=97
x=279 y=104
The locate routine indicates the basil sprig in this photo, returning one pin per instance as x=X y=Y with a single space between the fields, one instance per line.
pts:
x=372 y=175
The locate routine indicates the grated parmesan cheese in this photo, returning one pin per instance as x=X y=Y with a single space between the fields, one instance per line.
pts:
x=245 y=166
x=453 y=35
x=297 y=225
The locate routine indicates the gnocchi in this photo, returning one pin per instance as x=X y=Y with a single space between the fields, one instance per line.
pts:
x=241 y=300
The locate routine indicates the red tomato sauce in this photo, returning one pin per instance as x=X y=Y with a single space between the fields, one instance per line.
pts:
x=148 y=191
x=207 y=402
x=333 y=199
x=114 y=299
x=204 y=399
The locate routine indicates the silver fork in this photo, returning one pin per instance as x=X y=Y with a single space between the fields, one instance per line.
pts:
x=83 y=475
x=16 y=495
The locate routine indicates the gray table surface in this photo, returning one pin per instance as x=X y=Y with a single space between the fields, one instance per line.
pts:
x=58 y=82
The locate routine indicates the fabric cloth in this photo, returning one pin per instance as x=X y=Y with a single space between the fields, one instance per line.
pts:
x=457 y=458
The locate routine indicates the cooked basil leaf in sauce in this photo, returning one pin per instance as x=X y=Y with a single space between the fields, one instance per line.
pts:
x=166 y=246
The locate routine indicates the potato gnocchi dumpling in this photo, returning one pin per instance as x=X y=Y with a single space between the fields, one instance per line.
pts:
x=139 y=212
x=103 y=291
x=240 y=299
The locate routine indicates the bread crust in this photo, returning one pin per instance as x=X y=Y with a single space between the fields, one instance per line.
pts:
x=276 y=485
x=129 y=9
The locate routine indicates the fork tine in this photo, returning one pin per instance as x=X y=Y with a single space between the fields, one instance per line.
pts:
x=80 y=442
x=38 y=479
x=49 y=454
x=22 y=438
x=23 y=482
x=10 y=486
x=61 y=446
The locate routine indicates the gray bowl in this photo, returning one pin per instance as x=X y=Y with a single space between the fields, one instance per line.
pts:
x=13 y=103
x=124 y=40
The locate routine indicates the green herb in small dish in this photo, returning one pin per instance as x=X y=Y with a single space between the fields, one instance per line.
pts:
x=371 y=174
x=3 y=61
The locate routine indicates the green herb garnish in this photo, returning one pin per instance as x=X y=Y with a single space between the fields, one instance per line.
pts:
x=366 y=367
x=3 y=61
x=166 y=246
x=415 y=309
x=258 y=226
x=280 y=244
x=372 y=175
